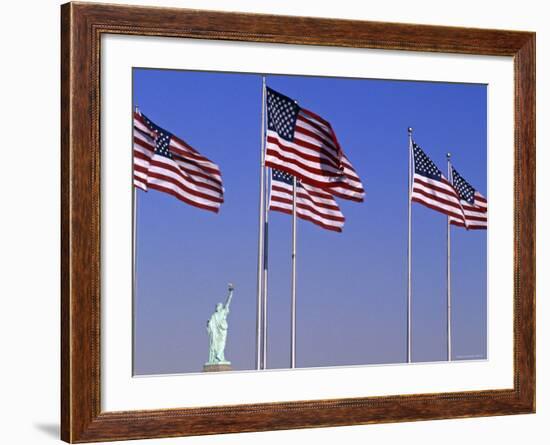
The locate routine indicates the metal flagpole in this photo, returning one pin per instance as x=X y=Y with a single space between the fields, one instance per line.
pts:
x=134 y=238
x=449 y=173
x=409 y=249
x=261 y=238
x=293 y=281
x=134 y=261
x=265 y=269
x=134 y=257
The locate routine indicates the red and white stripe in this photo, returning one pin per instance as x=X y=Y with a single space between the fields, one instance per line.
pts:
x=350 y=185
x=438 y=195
x=188 y=176
x=314 y=156
x=312 y=204
x=475 y=216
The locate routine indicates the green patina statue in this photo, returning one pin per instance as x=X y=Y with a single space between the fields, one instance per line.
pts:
x=217 y=331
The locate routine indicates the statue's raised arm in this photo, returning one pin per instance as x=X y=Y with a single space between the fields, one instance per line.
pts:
x=230 y=288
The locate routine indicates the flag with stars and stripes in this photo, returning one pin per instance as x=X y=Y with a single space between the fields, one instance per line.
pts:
x=312 y=203
x=474 y=204
x=303 y=144
x=431 y=188
x=166 y=163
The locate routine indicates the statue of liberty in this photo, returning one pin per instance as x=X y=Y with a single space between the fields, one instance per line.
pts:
x=217 y=333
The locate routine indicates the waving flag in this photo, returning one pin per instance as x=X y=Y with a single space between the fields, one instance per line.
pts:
x=304 y=145
x=474 y=204
x=166 y=163
x=431 y=188
x=312 y=203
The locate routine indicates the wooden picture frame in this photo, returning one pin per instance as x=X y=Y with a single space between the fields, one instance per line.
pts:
x=82 y=26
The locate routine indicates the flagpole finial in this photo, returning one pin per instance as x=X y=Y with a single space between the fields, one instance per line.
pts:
x=448 y=155
x=410 y=130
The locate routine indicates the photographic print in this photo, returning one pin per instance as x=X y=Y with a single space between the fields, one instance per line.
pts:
x=298 y=221
x=277 y=222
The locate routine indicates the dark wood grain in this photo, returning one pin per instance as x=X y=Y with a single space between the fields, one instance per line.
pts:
x=65 y=229
x=81 y=28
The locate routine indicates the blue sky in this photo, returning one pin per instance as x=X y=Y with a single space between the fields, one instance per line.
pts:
x=351 y=294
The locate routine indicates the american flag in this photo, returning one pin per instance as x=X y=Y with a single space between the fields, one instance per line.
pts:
x=474 y=204
x=431 y=188
x=303 y=144
x=312 y=203
x=166 y=163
